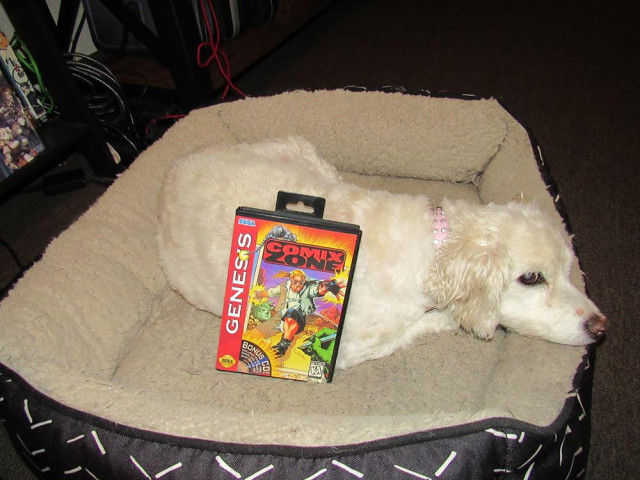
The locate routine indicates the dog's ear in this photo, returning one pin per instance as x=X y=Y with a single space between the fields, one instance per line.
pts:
x=468 y=277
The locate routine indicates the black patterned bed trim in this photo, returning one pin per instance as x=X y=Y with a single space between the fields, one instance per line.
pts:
x=61 y=442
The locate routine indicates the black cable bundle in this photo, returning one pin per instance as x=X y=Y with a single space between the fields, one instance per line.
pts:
x=105 y=99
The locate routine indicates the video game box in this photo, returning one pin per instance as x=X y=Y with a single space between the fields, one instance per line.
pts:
x=288 y=285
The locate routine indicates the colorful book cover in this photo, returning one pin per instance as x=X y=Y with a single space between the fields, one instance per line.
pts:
x=18 y=79
x=19 y=141
x=287 y=292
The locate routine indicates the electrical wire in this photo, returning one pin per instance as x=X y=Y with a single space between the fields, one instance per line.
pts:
x=76 y=35
x=212 y=43
x=13 y=254
x=104 y=95
x=105 y=99
x=154 y=122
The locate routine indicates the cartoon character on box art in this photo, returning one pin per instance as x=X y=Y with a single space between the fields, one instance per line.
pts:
x=260 y=312
x=298 y=293
x=19 y=143
x=320 y=346
x=278 y=232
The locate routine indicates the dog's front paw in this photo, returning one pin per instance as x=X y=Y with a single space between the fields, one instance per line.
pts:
x=436 y=321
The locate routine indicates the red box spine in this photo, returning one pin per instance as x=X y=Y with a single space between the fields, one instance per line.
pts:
x=236 y=296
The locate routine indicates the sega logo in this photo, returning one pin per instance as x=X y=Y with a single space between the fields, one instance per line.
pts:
x=247 y=221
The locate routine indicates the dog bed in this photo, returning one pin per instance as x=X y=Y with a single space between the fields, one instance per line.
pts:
x=108 y=373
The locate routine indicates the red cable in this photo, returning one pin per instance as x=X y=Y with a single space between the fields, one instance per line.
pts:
x=160 y=119
x=213 y=43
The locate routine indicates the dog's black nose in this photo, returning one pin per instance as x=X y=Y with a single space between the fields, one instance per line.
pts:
x=597 y=325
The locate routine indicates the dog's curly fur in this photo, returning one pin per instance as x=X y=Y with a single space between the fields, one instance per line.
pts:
x=501 y=265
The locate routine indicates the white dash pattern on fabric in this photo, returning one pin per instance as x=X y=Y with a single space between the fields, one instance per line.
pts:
x=347 y=469
x=530 y=458
x=528 y=473
x=26 y=410
x=318 y=474
x=446 y=463
x=98 y=442
x=139 y=467
x=411 y=472
x=497 y=433
x=260 y=472
x=226 y=467
x=168 y=470
x=578 y=452
x=41 y=424
x=567 y=431
x=91 y=474
x=75 y=439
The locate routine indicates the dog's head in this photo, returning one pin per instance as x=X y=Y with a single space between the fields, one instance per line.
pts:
x=510 y=265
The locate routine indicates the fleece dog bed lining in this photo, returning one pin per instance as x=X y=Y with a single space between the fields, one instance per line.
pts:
x=95 y=341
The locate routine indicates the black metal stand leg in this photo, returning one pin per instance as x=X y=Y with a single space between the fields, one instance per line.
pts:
x=175 y=46
x=66 y=23
x=177 y=22
x=32 y=20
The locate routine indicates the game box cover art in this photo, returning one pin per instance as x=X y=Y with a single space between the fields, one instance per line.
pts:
x=287 y=290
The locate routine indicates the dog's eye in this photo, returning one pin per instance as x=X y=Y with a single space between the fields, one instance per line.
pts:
x=532 y=278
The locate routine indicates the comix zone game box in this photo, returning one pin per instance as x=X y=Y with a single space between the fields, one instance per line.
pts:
x=287 y=290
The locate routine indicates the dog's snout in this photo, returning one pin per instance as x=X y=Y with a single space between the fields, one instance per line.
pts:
x=597 y=325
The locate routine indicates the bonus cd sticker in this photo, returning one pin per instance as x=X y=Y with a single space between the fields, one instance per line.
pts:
x=255 y=359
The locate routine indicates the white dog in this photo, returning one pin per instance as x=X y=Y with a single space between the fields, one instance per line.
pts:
x=500 y=265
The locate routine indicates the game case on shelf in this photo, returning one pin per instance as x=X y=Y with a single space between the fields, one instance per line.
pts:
x=19 y=141
x=18 y=79
x=287 y=290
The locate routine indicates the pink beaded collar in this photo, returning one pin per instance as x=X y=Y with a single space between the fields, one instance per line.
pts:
x=439 y=226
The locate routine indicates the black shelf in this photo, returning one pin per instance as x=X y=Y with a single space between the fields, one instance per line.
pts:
x=77 y=128
x=58 y=138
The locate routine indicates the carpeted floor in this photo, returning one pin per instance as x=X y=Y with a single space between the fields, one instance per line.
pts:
x=566 y=69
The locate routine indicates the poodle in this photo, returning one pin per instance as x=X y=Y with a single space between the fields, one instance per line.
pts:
x=502 y=265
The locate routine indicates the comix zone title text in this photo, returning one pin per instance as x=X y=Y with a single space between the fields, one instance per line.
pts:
x=302 y=256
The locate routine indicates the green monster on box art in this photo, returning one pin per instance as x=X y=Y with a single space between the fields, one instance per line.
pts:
x=320 y=345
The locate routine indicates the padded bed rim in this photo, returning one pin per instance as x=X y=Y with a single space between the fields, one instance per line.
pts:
x=531 y=441
x=511 y=443
x=577 y=404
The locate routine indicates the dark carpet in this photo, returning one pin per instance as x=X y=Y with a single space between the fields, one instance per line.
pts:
x=566 y=69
